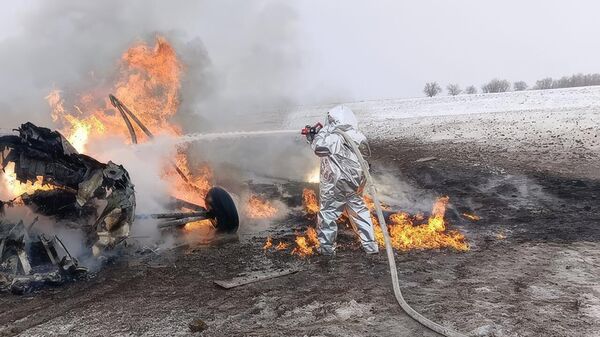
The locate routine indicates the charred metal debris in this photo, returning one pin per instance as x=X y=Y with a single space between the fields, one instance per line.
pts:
x=82 y=193
x=30 y=260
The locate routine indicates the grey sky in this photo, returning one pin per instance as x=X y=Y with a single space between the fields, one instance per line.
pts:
x=352 y=49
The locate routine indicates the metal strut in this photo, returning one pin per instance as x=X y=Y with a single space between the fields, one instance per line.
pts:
x=126 y=114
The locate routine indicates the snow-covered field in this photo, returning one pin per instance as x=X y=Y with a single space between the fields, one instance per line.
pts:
x=572 y=112
x=562 y=121
x=584 y=98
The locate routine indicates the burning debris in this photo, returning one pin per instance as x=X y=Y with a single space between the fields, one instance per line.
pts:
x=49 y=174
x=30 y=260
x=148 y=87
x=304 y=244
x=220 y=212
x=50 y=177
x=44 y=172
x=406 y=231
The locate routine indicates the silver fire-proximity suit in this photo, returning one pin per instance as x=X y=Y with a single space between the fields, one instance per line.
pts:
x=341 y=181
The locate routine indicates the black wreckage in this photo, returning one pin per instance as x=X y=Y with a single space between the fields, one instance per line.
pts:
x=82 y=193
x=86 y=195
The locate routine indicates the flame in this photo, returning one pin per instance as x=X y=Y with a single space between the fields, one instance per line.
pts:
x=268 y=244
x=280 y=246
x=310 y=201
x=258 y=208
x=202 y=225
x=199 y=180
x=371 y=203
x=16 y=188
x=79 y=126
x=471 y=217
x=307 y=244
x=148 y=82
x=406 y=233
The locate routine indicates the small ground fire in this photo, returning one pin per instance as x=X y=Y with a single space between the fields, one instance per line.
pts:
x=406 y=231
x=259 y=208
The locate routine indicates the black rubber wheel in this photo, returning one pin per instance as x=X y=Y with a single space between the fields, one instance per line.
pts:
x=222 y=210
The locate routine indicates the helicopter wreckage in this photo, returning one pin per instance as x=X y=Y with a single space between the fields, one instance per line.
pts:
x=78 y=192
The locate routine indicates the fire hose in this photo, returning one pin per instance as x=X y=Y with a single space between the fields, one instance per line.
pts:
x=389 y=250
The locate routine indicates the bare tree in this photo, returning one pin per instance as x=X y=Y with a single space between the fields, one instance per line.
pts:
x=520 y=86
x=453 y=89
x=576 y=80
x=544 y=83
x=431 y=89
x=496 y=85
x=470 y=90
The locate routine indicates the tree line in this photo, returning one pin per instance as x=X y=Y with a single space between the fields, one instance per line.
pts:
x=497 y=85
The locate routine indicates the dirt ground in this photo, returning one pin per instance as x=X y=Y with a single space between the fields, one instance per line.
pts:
x=532 y=269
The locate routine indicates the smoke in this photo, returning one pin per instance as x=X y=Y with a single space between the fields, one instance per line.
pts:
x=242 y=63
x=239 y=56
x=148 y=162
x=73 y=238
x=401 y=195
x=517 y=191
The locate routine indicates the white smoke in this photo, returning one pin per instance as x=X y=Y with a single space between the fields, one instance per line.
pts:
x=241 y=63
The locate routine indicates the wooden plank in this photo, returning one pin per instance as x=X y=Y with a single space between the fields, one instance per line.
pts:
x=254 y=277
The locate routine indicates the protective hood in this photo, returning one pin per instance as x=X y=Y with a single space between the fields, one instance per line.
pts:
x=342 y=118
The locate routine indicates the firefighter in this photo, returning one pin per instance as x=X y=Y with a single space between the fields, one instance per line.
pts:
x=341 y=181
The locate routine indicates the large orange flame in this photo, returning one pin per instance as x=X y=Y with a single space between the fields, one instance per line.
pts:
x=16 y=188
x=148 y=83
x=406 y=233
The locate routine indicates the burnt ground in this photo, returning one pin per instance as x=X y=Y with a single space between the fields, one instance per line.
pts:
x=532 y=269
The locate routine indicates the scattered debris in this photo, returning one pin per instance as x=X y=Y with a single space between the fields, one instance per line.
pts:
x=53 y=179
x=198 y=325
x=472 y=217
x=254 y=277
x=29 y=261
x=425 y=159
